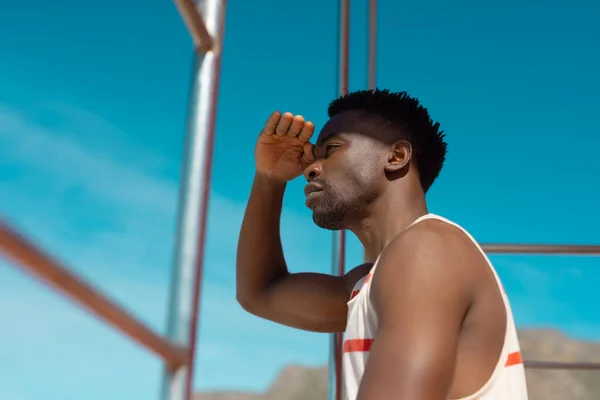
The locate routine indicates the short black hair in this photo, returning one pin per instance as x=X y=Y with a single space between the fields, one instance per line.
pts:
x=408 y=118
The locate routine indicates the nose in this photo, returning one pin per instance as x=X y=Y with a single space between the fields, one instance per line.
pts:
x=313 y=171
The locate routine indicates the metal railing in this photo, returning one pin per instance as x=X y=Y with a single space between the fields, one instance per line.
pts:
x=48 y=270
x=550 y=249
x=194 y=191
x=178 y=350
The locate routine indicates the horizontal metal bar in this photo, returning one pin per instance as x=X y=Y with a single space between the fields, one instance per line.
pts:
x=555 y=365
x=192 y=18
x=541 y=249
x=41 y=265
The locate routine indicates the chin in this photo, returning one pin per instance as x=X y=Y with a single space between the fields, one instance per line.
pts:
x=328 y=220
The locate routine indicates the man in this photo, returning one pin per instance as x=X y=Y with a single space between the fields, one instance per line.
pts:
x=428 y=320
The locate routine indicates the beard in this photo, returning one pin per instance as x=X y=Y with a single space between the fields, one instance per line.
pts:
x=331 y=212
x=335 y=211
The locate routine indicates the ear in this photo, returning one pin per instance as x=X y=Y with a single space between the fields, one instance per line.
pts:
x=399 y=156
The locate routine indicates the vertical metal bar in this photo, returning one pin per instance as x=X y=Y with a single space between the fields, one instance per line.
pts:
x=336 y=339
x=193 y=207
x=339 y=237
x=372 y=68
x=372 y=57
x=344 y=47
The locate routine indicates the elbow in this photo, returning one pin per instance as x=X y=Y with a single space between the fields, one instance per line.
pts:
x=245 y=295
x=244 y=301
x=253 y=295
x=249 y=302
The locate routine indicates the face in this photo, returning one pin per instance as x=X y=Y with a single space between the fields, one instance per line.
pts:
x=347 y=174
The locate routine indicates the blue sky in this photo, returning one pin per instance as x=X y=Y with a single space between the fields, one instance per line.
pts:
x=93 y=103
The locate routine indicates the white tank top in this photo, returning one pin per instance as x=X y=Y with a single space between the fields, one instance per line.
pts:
x=507 y=382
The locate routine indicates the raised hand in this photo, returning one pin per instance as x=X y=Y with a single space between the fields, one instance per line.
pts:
x=283 y=149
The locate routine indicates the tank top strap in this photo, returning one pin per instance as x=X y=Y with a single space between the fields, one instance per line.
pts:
x=416 y=221
x=422 y=218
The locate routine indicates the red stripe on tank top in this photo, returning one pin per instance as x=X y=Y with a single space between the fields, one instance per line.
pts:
x=514 y=359
x=357 y=345
x=364 y=345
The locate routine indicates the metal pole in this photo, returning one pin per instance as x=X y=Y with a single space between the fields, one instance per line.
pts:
x=339 y=237
x=372 y=58
x=201 y=38
x=372 y=68
x=344 y=48
x=44 y=267
x=336 y=339
x=558 y=365
x=555 y=249
x=193 y=207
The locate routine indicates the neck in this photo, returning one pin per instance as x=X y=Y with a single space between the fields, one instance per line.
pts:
x=388 y=217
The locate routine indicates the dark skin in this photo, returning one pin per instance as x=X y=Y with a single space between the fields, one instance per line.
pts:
x=441 y=315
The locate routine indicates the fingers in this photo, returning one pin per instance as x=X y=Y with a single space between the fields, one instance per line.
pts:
x=296 y=126
x=290 y=125
x=284 y=124
x=307 y=131
x=271 y=123
x=308 y=154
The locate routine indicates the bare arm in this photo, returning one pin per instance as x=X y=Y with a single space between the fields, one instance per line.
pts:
x=420 y=300
x=309 y=301
x=315 y=302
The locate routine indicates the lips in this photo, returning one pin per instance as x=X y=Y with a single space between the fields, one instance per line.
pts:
x=311 y=191
x=311 y=188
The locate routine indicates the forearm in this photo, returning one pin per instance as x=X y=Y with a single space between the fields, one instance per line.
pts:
x=260 y=259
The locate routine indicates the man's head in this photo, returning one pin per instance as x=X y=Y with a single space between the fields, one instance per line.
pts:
x=374 y=139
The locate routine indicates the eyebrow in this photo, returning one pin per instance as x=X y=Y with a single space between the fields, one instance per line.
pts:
x=321 y=141
x=327 y=137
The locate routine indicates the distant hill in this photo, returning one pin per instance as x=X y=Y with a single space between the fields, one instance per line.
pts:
x=548 y=345
x=302 y=383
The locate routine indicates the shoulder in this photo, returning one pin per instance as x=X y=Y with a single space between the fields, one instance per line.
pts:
x=432 y=260
x=429 y=246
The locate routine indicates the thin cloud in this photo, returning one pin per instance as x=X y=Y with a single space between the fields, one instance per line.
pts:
x=56 y=153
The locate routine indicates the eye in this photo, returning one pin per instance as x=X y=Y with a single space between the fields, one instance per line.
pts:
x=329 y=148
